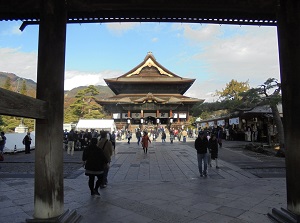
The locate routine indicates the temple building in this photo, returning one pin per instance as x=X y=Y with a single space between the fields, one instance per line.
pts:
x=149 y=94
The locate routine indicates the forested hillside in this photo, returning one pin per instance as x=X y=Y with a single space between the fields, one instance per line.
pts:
x=27 y=87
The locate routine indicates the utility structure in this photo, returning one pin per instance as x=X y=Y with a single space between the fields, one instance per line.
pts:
x=52 y=17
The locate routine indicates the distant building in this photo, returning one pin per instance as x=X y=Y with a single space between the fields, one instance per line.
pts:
x=149 y=93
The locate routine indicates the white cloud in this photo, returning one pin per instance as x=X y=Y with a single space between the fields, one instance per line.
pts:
x=205 y=90
x=197 y=33
x=19 y=63
x=120 y=28
x=73 y=78
x=155 y=39
x=246 y=53
x=25 y=65
x=12 y=30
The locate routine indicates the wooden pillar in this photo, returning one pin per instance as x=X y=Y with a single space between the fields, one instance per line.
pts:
x=171 y=113
x=49 y=188
x=289 y=54
x=142 y=114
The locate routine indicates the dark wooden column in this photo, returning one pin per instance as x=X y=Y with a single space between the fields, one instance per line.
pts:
x=289 y=55
x=49 y=188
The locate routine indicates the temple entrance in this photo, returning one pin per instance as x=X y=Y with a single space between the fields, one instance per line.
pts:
x=150 y=120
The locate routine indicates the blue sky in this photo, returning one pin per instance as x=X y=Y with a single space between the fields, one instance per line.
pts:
x=212 y=54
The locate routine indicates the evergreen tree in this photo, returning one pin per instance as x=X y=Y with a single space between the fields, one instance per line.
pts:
x=84 y=106
x=7 y=84
x=23 y=88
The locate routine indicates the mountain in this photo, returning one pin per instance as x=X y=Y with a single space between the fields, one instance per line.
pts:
x=16 y=84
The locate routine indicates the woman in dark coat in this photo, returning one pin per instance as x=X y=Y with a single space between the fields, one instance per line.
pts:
x=27 y=142
x=213 y=149
x=95 y=161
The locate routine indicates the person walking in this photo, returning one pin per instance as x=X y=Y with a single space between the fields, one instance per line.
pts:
x=2 y=142
x=201 y=144
x=184 y=135
x=128 y=137
x=94 y=162
x=71 y=140
x=106 y=146
x=163 y=136
x=113 y=140
x=219 y=135
x=213 y=149
x=138 y=135
x=27 y=142
x=145 y=140
x=172 y=136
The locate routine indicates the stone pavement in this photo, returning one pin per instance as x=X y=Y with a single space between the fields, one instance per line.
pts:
x=161 y=186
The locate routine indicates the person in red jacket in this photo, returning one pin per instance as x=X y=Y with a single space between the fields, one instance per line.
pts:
x=145 y=141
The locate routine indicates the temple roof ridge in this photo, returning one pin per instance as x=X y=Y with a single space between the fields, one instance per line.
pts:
x=149 y=61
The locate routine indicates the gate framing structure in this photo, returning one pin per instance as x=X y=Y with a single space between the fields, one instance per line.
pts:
x=52 y=16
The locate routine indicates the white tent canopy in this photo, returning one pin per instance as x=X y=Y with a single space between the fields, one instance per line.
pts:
x=97 y=124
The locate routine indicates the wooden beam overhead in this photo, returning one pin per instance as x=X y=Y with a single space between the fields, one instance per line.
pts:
x=15 y=104
x=256 y=12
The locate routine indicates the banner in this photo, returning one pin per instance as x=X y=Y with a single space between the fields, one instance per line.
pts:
x=211 y=124
x=221 y=122
x=234 y=121
x=163 y=115
x=182 y=115
x=125 y=115
x=136 y=115
x=116 y=116
x=149 y=114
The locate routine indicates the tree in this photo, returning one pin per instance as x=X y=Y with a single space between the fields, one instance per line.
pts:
x=271 y=90
x=23 y=88
x=269 y=93
x=209 y=110
x=7 y=84
x=84 y=106
x=233 y=90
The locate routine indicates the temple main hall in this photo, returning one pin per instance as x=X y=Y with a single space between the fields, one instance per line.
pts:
x=149 y=94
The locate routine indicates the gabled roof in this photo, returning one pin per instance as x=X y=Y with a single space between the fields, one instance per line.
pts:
x=151 y=73
x=149 y=61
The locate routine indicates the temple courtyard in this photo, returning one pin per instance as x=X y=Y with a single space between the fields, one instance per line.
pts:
x=161 y=186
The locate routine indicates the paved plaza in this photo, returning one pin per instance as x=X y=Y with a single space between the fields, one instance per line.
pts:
x=161 y=186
